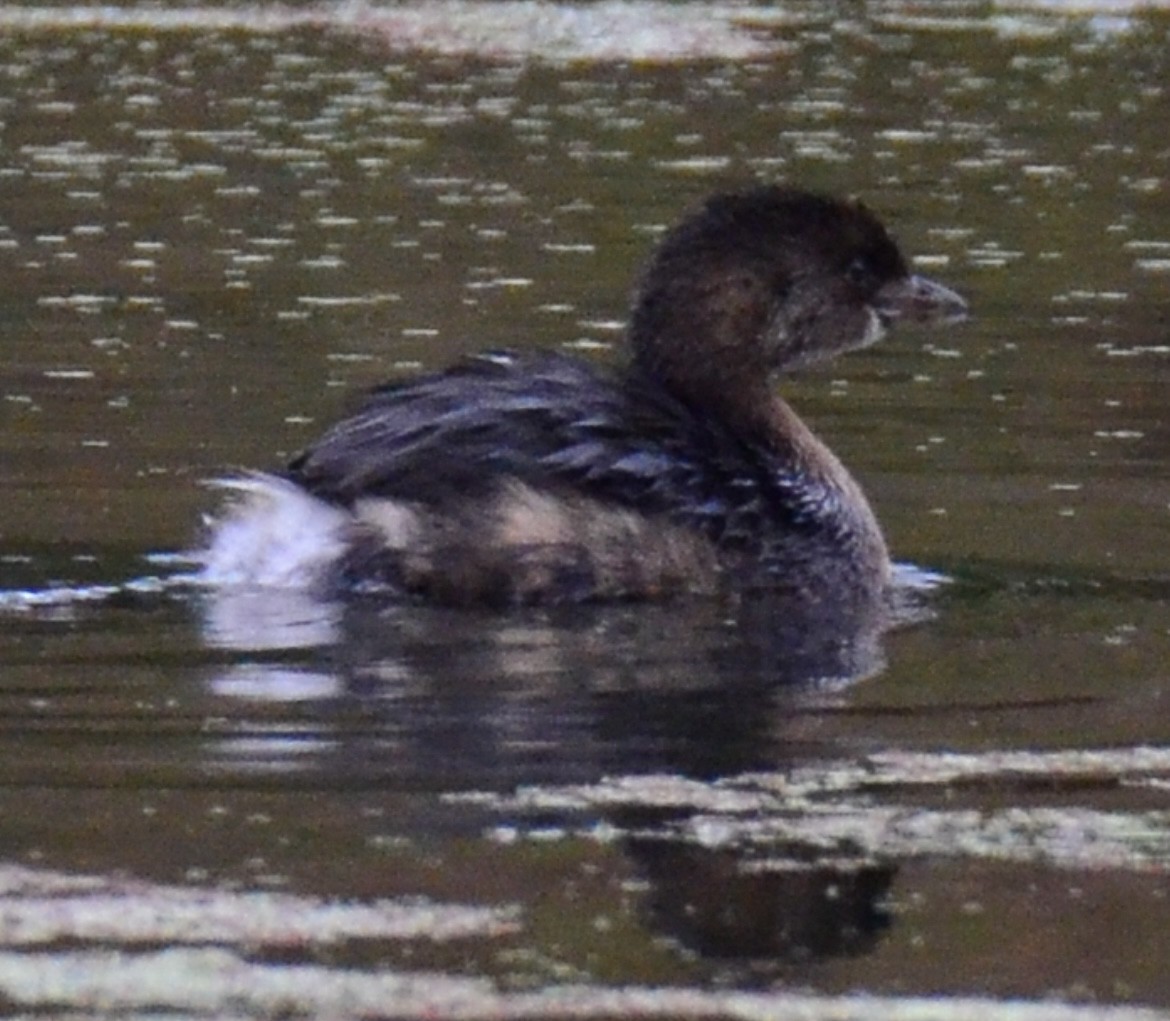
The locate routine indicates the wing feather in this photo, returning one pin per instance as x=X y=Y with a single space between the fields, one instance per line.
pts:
x=552 y=422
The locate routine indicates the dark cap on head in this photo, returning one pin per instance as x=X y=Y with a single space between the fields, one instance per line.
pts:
x=768 y=279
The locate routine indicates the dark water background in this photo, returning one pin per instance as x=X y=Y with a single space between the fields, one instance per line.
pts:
x=213 y=234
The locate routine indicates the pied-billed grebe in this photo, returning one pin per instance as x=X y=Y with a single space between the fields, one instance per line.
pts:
x=540 y=478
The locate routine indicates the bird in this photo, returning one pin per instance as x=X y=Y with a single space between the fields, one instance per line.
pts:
x=540 y=478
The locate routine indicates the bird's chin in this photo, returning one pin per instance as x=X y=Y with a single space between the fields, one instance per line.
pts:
x=860 y=336
x=877 y=326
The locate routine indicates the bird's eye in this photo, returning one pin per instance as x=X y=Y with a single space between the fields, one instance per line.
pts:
x=860 y=273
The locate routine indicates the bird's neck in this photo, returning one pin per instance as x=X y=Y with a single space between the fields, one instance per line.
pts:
x=767 y=420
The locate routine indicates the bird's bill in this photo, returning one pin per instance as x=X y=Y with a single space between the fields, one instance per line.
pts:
x=919 y=299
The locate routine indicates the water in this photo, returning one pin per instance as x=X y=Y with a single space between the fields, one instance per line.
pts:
x=219 y=225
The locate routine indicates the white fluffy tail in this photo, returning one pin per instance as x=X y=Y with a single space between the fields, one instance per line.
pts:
x=273 y=535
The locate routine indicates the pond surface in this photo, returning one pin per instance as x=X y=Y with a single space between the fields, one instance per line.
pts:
x=219 y=225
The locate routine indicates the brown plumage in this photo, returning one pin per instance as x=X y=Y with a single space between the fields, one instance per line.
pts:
x=542 y=478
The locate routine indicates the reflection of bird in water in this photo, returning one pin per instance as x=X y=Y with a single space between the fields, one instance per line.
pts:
x=797 y=909
x=516 y=479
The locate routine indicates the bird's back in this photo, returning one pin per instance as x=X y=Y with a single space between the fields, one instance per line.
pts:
x=553 y=423
x=530 y=479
